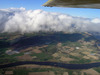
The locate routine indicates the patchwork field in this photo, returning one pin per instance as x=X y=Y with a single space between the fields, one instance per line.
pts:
x=71 y=48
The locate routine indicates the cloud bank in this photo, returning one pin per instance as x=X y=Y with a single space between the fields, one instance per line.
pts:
x=27 y=21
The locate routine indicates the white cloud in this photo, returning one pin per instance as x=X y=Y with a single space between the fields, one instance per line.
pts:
x=96 y=20
x=25 y=21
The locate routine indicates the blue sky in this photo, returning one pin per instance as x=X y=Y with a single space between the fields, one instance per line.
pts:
x=37 y=4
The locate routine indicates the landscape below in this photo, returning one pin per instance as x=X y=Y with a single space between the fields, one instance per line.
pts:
x=69 y=48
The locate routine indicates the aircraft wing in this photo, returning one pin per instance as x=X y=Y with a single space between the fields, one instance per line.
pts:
x=73 y=3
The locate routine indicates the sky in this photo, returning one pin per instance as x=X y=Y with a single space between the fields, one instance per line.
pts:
x=37 y=4
x=27 y=16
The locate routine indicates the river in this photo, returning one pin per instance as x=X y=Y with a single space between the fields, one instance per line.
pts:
x=54 y=64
